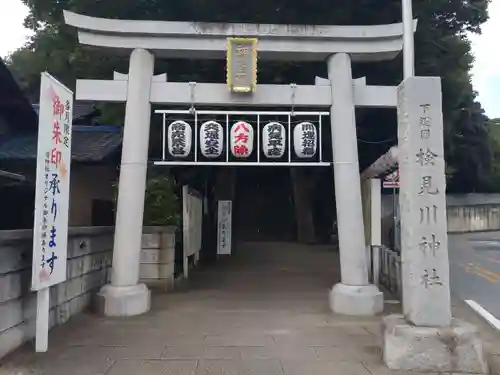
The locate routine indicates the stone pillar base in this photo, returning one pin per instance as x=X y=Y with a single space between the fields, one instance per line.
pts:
x=123 y=300
x=364 y=300
x=457 y=348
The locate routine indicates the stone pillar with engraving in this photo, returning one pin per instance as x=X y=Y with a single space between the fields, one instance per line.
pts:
x=426 y=337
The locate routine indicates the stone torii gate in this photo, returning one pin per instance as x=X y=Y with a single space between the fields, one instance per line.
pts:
x=338 y=46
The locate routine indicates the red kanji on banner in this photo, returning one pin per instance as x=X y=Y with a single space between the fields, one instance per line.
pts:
x=56 y=133
x=57 y=106
x=55 y=156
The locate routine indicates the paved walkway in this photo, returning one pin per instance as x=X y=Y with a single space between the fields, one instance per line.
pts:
x=264 y=312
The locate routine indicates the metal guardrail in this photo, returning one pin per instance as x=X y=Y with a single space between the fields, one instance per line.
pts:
x=386 y=269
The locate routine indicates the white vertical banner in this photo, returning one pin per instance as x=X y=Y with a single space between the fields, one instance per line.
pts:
x=224 y=228
x=192 y=222
x=50 y=230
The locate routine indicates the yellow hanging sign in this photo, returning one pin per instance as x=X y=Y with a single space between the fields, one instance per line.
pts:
x=241 y=64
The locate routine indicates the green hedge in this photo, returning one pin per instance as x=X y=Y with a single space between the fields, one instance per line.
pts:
x=162 y=205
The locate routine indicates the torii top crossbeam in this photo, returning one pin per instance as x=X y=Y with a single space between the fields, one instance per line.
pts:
x=208 y=40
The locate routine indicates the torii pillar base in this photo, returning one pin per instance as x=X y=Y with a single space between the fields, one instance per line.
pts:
x=364 y=300
x=122 y=301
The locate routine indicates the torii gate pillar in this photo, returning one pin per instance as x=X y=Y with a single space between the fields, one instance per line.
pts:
x=125 y=296
x=354 y=295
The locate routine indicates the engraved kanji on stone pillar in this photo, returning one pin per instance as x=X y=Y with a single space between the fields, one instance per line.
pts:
x=426 y=288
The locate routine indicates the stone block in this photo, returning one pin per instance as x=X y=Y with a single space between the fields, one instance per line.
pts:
x=11 y=314
x=364 y=300
x=154 y=256
x=168 y=255
x=168 y=240
x=103 y=243
x=79 y=246
x=74 y=288
x=151 y=256
x=151 y=241
x=457 y=348
x=121 y=301
x=58 y=293
x=15 y=257
x=92 y=280
x=14 y=285
x=11 y=339
x=156 y=271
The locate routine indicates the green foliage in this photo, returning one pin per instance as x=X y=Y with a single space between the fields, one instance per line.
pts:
x=161 y=206
x=442 y=49
x=495 y=149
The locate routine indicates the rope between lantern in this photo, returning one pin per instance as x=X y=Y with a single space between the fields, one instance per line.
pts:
x=293 y=86
x=192 y=86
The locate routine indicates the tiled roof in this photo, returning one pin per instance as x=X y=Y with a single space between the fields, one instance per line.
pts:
x=89 y=144
x=79 y=109
x=14 y=106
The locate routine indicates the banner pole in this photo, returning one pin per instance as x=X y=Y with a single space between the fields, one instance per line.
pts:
x=42 y=320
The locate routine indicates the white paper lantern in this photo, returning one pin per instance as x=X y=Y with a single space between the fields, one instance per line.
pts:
x=179 y=139
x=241 y=139
x=273 y=140
x=211 y=139
x=305 y=140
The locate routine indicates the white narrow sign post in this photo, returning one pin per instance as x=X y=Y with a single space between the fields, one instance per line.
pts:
x=224 y=228
x=50 y=230
x=391 y=181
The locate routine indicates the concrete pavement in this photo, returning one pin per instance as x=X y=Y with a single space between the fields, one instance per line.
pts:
x=264 y=311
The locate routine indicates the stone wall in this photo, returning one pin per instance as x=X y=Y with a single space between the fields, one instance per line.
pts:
x=478 y=218
x=465 y=213
x=89 y=259
x=158 y=257
x=473 y=212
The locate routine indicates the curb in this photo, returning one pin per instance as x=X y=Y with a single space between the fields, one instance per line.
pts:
x=483 y=313
x=493 y=360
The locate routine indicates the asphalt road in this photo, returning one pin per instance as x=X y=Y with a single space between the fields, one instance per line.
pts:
x=475 y=269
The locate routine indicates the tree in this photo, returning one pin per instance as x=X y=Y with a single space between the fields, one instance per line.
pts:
x=494 y=137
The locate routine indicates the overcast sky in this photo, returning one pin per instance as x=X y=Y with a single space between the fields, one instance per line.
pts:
x=486 y=72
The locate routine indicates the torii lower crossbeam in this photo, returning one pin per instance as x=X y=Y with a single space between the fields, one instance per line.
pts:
x=217 y=94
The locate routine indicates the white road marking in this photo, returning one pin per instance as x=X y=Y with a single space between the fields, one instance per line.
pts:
x=485 y=314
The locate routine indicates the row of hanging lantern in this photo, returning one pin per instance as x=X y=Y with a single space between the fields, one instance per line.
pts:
x=180 y=137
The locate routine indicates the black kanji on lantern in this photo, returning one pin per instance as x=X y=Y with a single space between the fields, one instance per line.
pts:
x=212 y=144
x=308 y=139
x=275 y=140
x=178 y=138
